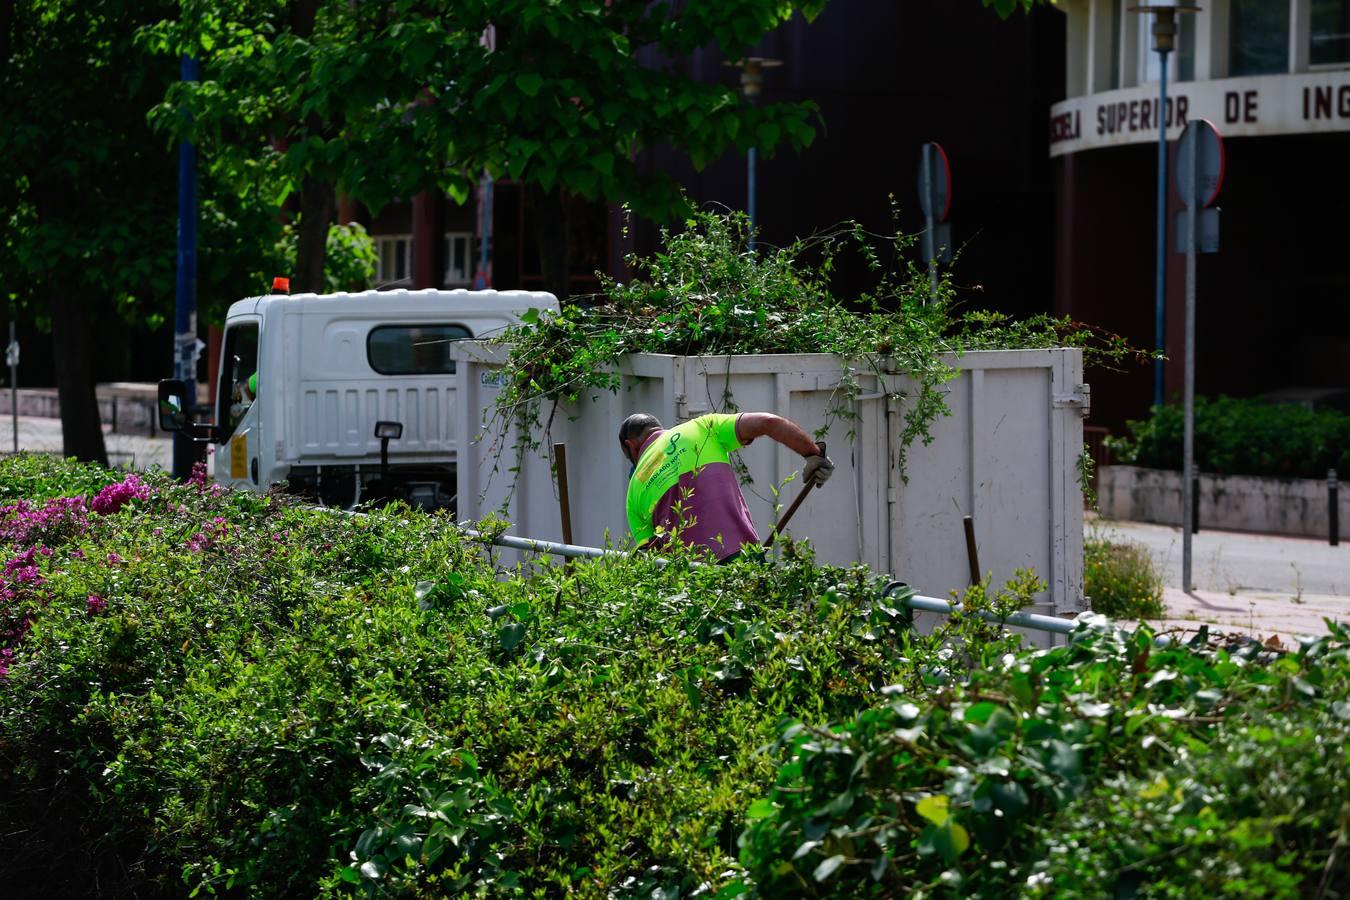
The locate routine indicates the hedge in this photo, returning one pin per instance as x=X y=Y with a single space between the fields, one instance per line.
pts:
x=1241 y=437
x=215 y=692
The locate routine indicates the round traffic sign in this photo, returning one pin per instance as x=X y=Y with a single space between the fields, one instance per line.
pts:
x=935 y=182
x=1199 y=164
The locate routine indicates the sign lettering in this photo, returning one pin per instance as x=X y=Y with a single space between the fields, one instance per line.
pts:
x=1262 y=105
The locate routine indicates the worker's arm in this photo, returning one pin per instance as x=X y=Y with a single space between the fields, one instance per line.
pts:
x=785 y=431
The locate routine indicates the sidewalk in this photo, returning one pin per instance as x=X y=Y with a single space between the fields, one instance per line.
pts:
x=1254 y=584
x=124 y=450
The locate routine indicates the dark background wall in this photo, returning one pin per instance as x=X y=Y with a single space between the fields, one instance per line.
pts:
x=889 y=76
x=1272 y=306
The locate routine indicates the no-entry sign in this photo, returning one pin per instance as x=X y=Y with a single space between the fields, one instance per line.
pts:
x=1199 y=164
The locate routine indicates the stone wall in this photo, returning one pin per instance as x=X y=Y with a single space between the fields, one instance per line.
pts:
x=1294 y=506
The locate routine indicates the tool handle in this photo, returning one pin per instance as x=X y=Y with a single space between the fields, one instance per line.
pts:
x=806 y=489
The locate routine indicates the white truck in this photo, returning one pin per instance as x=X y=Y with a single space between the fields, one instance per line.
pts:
x=344 y=397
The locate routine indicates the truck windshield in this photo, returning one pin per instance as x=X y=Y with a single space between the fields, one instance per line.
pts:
x=413 y=349
x=238 y=365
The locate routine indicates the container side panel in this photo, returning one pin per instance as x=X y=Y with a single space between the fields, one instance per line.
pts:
x=928 y=542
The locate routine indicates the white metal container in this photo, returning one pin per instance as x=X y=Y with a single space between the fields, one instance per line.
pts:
x=1007 y=455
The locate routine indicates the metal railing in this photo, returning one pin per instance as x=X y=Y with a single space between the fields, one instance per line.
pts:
x=918 y=602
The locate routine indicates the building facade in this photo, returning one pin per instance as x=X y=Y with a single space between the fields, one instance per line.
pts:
x=887 y=76
x=1273 y=304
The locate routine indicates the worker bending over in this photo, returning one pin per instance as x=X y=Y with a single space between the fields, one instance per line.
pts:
x=683 y=483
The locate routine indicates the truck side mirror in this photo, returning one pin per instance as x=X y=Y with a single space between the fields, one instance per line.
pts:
x=173 y=405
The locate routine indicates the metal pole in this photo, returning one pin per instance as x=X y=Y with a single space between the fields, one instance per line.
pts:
x=750 y=189
x=1188 y=438
x=932 y=235
x=1333 y=509
x=482 y=279
x=14 y=386
x=1160 y=285
x=185 y=289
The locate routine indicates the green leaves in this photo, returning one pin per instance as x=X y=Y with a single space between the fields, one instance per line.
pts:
x=511 y=635
x=529 y=83
x=1026 y=758
x=581 y=729
x=1242 y=436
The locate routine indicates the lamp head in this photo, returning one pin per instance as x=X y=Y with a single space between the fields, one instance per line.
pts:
x=389 y=430
x=1164 y=20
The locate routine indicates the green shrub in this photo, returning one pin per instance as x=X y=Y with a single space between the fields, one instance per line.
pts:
x=1109 y=767
x=1120 y=580
x=218 y=692
x=287 y=701
x=1241 y=437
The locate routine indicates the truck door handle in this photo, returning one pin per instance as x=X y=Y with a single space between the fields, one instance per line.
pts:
x=254 y=470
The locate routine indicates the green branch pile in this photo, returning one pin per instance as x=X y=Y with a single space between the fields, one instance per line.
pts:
x=707 y=292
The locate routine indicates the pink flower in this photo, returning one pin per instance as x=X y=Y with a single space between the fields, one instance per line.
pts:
x=95 y=605
x=115 y=496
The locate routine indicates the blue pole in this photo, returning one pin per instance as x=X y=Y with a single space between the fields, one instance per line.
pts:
x=1160 y=299
x=185 y=286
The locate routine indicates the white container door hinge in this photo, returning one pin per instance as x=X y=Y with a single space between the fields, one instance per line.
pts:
x=1080 y=399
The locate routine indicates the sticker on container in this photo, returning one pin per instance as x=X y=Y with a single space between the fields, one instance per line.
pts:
x=239 y=456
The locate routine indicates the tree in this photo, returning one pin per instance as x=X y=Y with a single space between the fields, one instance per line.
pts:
x=313 y=96
x=87 y=188
x=384 y=100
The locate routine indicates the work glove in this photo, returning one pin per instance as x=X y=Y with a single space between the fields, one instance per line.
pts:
x=817 y=469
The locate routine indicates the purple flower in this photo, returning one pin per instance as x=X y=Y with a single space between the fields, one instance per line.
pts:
x=115 y=496
x=6 y=657
x=113 y=559
x=198 y=477
x=21 y=523
x=95 y=605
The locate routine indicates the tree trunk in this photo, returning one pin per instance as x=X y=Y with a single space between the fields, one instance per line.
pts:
x=318 y=202
x=81 y=429
x=551 y=232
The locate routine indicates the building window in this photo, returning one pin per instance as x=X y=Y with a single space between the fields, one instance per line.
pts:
x=1330 y=28
x=413 y=349
x=457 y=258
x=1180 y=62
x=1258 y=37
x=393 y=265
x=1117 y=10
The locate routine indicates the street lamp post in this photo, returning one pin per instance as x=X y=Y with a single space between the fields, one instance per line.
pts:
x=1164 y=41
x=752 y=81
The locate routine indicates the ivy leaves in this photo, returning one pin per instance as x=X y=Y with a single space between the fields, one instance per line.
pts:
x=1008 y=776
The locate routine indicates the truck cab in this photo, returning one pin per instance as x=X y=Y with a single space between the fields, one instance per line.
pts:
x=305 y=379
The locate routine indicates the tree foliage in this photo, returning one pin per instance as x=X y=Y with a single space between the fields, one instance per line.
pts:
x=380 y=101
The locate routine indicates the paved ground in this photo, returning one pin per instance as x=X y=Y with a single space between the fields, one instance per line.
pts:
x=1257 y=584
x=124 y=450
